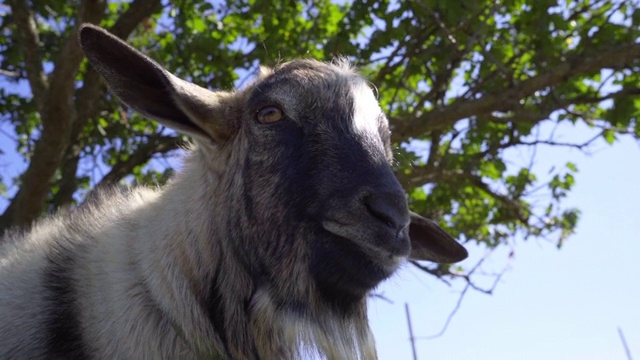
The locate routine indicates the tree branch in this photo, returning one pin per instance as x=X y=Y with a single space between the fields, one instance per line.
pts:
x=87 y=100
x=508 y=202
x=469 y=285
x=433 y=172
x=579 y=146
x=11 y=74
x=156 y=145
x=30 y=44
x=422 y=175
x=450 y=317
x=63 y=77
x=444 y=117
x=138 y=11
x=57 y=114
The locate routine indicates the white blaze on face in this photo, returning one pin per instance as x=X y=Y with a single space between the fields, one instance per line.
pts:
x=366 y=110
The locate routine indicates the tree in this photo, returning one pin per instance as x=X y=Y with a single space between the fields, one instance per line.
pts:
x=463 y=84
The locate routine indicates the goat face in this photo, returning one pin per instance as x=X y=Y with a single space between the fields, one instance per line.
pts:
x=306 y=162
x=319 y=144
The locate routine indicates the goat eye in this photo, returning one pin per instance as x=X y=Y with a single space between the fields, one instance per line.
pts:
x=269 y=114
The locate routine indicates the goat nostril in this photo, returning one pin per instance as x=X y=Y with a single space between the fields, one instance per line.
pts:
x=390 y=209
x=379 y=215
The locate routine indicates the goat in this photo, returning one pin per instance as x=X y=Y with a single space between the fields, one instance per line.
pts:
x=285 y=215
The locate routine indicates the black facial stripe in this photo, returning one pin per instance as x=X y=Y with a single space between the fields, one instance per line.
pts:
x=63 y=330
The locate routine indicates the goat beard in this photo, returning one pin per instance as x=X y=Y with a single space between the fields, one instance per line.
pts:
x=282 y=334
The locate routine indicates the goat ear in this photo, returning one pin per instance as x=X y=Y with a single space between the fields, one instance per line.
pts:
x=430 y=242
x=152 y=91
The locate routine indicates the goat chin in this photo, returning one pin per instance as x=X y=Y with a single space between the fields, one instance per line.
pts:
x=304 y=336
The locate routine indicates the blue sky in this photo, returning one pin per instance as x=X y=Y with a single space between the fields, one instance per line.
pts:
x=550 y=304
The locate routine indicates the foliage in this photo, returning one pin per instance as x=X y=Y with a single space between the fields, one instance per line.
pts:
x=464 y=83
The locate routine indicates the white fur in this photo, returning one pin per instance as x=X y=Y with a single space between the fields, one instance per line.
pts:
x=366 y=110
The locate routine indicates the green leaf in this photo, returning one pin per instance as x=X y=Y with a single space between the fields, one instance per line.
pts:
x=609 y=136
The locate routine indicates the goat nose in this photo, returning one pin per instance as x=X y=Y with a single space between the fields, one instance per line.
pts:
x=389 y=207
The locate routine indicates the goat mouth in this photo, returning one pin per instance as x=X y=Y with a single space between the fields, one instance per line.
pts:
x=344 y=269
x=387 y=246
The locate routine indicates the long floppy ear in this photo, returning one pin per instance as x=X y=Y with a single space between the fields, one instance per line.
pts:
x=149 y=89
x=430 y=242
